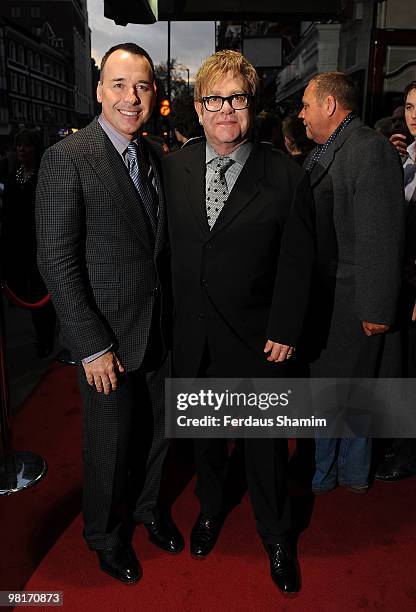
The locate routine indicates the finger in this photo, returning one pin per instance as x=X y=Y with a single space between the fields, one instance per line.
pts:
x=98 y=383
x=90 y=378
x=113 y=380
x=106 y=386
x=280 y=353
x=268 y=346
x=274 y=353
x=119 y=365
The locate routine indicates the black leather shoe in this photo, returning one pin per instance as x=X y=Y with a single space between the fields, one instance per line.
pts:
x=164 y=534
x=204 y=534
x=284 y=567
x=121 y=563
x=394 y=469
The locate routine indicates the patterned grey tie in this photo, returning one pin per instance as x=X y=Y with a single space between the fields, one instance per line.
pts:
x=217 y=191
x=140 y=179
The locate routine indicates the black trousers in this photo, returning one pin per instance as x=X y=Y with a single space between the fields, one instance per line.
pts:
x=124 y=447
x=265 y=462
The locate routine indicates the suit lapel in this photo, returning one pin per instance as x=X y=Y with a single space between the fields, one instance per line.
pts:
x=326 y=160
x=108 y=165
x=154 y=158
x=195 y=186
x=243 y=192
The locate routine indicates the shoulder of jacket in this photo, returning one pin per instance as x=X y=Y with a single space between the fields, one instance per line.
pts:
x=77 y=141
x=184 y=155
x=279 y=159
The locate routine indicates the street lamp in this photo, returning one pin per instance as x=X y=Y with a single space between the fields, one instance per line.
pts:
x=182 y=67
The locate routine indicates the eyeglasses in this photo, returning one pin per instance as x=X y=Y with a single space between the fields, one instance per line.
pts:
x=238 y=101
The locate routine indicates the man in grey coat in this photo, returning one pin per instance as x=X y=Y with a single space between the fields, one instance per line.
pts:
x=102 y=250
x=358 y=189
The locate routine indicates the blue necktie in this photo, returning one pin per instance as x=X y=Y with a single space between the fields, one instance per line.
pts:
x=137 y=171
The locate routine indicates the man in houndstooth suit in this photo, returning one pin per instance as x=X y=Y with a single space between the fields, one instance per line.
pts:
x=103 y=254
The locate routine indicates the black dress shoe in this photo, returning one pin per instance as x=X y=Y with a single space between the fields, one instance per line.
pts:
x=284 y=567
x=121 y=563
x=164 y=534
x=204 y=534
x=394 y=469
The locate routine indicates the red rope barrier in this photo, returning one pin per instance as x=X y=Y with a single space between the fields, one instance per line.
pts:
x=18 y=302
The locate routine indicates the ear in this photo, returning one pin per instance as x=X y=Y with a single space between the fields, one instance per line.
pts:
x=199 y=110
x=99 y=96
x=330 y=105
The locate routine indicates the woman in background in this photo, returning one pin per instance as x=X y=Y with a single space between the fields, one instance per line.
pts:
x=18 y=250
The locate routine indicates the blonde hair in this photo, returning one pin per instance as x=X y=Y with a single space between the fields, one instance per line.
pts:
x=216 y=67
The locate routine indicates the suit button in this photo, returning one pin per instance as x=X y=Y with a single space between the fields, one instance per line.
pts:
x=204 y=281
x=209 y=246
x=155 y=291
x=200 y=316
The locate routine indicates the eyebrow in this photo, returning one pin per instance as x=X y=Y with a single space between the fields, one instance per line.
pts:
x=118 y=79
x=237 y=91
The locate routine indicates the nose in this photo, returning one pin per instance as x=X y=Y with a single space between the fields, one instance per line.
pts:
x=227 y=108
x=131 y=95
x=301 y=114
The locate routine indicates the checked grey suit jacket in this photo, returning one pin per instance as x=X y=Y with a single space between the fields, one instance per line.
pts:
x=95 y=248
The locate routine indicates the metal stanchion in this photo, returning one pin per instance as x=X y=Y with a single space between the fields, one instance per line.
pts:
x=22 y=469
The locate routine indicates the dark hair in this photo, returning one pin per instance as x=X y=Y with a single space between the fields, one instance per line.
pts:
x=184 y=118
x=30 y=138
x=339 y=85
x=294 y=129
x=408 y=89
x=130 y=48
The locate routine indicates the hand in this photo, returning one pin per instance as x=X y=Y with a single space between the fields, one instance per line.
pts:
x=278 y=352
x=399 y=142
x=102 y=372
x=414 y=313
x=371 y=329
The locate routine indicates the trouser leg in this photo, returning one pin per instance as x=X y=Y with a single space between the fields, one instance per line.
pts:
x=266 y=467
x=211 y=458
x=107 y=420
x=156 y=443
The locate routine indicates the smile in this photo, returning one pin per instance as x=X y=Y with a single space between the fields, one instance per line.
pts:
x=128 y=113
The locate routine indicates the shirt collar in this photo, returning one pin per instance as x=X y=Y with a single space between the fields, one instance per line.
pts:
x=411 y=151
x=119 y=141
x=239 y=155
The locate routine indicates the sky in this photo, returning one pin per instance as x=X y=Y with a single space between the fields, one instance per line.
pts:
x=191 y=41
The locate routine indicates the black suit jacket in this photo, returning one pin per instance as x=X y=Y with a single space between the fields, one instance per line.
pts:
x=247 y=280
x=95 y=248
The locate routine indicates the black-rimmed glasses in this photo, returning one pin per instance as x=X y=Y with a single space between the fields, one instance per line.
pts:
x=238 y=101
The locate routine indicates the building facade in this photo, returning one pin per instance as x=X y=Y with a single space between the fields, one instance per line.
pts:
x=375 y=43
x=56 y=43
x=33 y=71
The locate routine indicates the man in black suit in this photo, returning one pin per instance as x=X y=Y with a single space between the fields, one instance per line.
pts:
x=102 y=252
x=241 y=232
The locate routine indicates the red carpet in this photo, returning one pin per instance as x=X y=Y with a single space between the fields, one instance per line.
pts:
x=48 y=424
x=358 y=553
